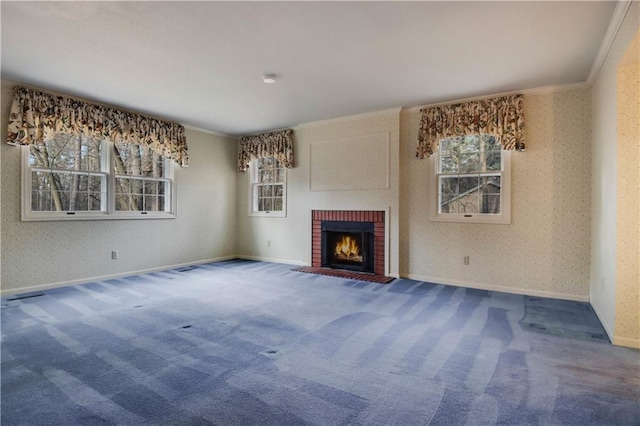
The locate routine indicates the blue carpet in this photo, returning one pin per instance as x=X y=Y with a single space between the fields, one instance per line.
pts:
x=242 y=342
x=562 y=318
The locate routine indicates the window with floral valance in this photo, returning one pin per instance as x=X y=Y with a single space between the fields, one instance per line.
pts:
x=37 y=117
x=501 y=117
x=278 y=145
x=268 y=155
x=469 y=145
x=82 y=161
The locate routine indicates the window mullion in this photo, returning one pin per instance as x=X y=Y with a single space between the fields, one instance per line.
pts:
x=109 y=165
x=65 y=181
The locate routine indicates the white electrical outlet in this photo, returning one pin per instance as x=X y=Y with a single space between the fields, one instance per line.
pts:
x=114 y=254
x=268 y=243
x=465 y=260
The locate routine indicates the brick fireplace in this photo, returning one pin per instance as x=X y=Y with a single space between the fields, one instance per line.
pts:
x=372 y=221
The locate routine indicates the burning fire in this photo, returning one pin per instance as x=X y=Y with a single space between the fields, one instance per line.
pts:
x=348 y=249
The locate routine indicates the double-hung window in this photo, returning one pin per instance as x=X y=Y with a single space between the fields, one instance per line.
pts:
x=73 y=177
x=268 y=188
x=68 y=175
x=471 y=180
x=142 y=181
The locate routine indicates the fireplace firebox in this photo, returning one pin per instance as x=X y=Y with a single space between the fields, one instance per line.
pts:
x=375 y=251
x=348 y=245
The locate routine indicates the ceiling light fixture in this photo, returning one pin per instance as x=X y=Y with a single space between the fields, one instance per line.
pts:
x=269 y=78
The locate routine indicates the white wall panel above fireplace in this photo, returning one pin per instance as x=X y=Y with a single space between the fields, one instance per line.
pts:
x=356 y=163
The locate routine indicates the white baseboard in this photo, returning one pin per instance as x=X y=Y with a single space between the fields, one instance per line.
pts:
x=488 y=287
x=615 y=339
x=272 y=260
x=626 y=341
x=605 y=324
x=12 y=291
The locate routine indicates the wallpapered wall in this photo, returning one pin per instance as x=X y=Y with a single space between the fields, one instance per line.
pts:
x=288 y=239
x=545 y=249
x=615 y=293
x=44 y=253
x=628 y=215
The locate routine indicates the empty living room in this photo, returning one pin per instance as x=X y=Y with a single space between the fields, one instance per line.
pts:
x=320 y=213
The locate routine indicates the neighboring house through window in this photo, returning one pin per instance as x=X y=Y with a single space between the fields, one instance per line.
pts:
x=471 y=180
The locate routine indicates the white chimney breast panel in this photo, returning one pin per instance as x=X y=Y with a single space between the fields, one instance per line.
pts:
x=357 y=163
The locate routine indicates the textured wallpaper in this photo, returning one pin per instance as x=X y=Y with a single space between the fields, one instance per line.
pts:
x=614 y=291
x=627 y=324
x=545 y=249
x=43 y=253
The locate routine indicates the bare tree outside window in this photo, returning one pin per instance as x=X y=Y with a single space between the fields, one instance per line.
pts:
x=268 y=191
x=469 y=175
x=71 y=177
x=141 y=183
x=67 y=175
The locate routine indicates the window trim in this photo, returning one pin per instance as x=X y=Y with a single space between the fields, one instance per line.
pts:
x=504 y=218
x=108 y=169
x=253 y=182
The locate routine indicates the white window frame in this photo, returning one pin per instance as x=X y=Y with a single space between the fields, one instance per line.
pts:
x=503 y=218
x=109 y=212
x=253 y=183
x=170 y=198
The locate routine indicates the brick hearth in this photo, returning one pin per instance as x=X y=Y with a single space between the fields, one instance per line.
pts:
x=377 y=217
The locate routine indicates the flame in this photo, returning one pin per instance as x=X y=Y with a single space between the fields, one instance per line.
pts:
x=347 y=247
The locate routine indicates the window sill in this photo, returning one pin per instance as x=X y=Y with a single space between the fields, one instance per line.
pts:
x=53 y=217
x=473 y=218
x=268 y=214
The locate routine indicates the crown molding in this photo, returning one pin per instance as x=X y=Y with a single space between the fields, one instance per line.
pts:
x=207 y=131
x=388 y=111
x=533 y=91
x=614 y=26
x=262 y=132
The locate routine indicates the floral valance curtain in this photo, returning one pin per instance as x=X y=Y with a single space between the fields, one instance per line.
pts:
x=36 y=117
x=502 y=117
x=274 y=144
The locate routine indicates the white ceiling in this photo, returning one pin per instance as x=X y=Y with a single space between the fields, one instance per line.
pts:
x=201 y=63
